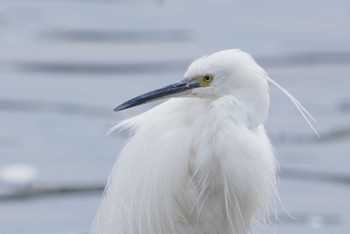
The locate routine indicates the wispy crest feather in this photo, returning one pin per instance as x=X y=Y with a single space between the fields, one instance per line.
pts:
x=302 y=110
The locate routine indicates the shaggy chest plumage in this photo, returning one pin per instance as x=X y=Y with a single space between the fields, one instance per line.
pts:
x=213 y=182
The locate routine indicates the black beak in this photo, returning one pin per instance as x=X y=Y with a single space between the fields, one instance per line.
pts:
x=178 y=89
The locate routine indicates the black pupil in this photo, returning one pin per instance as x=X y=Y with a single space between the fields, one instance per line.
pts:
x=207 y=78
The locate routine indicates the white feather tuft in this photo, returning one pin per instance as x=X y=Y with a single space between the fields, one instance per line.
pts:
x=302 y=110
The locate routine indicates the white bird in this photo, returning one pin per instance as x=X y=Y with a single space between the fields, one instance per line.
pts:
x=199 y=163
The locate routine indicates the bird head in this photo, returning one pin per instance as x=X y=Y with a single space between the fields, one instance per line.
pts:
x=227 y=72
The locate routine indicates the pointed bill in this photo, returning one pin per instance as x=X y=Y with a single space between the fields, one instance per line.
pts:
x=178 y=89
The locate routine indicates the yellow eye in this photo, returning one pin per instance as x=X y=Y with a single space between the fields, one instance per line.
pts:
x=207 y=79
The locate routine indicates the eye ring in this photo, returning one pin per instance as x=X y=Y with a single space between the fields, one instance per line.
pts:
x=207 y=78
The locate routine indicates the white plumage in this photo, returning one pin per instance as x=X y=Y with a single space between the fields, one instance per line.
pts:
x=200 y=162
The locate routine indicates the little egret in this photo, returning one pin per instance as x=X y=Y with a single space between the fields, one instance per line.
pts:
x=200 y=162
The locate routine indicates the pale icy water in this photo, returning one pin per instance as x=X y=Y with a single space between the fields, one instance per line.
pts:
x=64 y=66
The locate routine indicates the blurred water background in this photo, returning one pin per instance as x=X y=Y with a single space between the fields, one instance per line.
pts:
x=64 y=65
